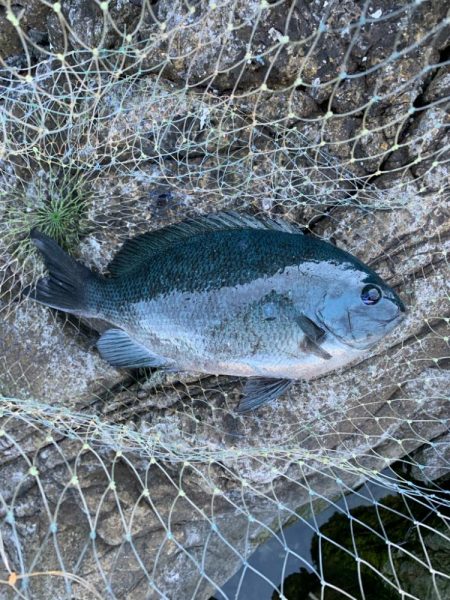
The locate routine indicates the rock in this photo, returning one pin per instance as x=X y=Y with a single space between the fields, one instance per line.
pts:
x=29 y=17
x=85 y=25
x=308 y=47
x=407 y=561
x=430 y=463
x=429 y=133
x=359 y=99
x=142 y=485
x=278 y=107
x=274 y=44
x=42 y=360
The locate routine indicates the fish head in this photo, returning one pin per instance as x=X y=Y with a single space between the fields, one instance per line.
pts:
x=360 y=308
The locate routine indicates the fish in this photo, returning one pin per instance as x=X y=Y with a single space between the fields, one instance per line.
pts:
x=227 y=294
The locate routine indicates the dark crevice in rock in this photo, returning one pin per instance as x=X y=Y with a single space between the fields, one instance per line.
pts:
x=324 y=106
x=87 y=335
x=419 y=104
x=419 y=101
x=312 y=225
x=444 y=56
x=129 y=381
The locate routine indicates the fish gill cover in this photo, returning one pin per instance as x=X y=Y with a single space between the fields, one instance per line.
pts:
x=117 y=118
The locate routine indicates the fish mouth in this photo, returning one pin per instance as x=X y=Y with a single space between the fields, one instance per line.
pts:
x=363 y=345
x=341 y=338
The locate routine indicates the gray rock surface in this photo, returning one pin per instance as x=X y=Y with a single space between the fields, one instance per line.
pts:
x=39 y=359
x=29 y=17
x=431 y=462
x=136 y=485
x=86 y=25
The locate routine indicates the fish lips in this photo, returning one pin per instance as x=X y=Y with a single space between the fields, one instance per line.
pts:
x=389 y=325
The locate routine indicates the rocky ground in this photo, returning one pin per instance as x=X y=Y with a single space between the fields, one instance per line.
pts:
x=139 y=485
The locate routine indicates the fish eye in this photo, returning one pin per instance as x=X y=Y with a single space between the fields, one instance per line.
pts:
x=370 y=294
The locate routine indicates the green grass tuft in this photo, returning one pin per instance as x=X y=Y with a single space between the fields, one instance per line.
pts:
x=56 y=204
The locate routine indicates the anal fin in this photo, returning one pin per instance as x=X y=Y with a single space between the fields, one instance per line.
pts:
x=117 y=348
x=260 y=390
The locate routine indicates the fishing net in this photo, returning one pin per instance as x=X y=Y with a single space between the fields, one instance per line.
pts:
x=120 y=117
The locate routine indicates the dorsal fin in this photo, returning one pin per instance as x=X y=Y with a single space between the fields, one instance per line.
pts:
x=142 y=247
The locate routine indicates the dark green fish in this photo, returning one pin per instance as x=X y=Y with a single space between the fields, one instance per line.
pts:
x=228 y=294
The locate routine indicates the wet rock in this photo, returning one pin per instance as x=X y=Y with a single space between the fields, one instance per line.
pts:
x=415 y=559
x=408 y=562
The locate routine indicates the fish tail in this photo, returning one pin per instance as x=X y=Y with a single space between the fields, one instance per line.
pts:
x=68 y=282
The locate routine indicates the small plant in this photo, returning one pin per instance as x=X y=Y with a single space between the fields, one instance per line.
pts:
x=55 y=203
x=62 y=215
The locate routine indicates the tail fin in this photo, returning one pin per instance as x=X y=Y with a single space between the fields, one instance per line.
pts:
x=67 y=284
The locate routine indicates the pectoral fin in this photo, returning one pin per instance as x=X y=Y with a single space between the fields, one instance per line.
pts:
x=260 y=390
x=313 y=337
x=117 y=348
x=311 y=330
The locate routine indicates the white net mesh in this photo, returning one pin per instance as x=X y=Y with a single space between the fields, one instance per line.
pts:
x=120 y=117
